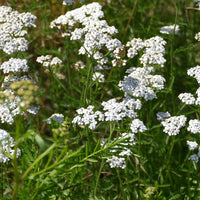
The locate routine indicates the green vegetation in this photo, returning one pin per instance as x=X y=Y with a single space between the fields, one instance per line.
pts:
x=68 y=161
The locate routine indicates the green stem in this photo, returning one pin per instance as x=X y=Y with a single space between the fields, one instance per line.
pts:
x=16 y=172
x=170 y=153
x=103 y=149
x=57 y=163
x=120 y=182
x=151 y=21
x=87 y=84
x=130 y=18
x=171 y=62
x=98 y=176
x=109 y=76
x=37 y=160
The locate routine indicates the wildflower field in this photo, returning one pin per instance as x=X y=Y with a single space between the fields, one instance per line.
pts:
x=100 y=100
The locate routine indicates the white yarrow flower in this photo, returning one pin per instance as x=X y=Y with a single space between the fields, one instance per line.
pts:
x=192 y=145
x=117 y=162
x=56 y=117
x=7 y=147
x=194 y=126
x=172 y=125
x=170 y=29
x=137 y=126
x=187 y=98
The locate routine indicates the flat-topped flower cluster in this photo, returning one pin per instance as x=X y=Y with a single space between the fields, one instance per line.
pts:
x=12 y=29
x=95 y=35
x=6 y=147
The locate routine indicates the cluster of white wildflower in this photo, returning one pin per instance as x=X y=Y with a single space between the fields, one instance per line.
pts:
x=172 y=125
x=137 y=126
x=70 y=2
x=56 y=118
x=194 y=126
x=194 y=72
x=6 y=114
x=192 y=145
x=140 y=83
x=170 y=29
x=116 y=111
x=14 y=65
x=12 y=102
x=86 y=116
x=153 y=50
x=12 y=29
x=94 y=33
x=189 y=98
x=195 y=157
x=135 y=45
x=117 y=162
x=47 y=60
x=54 y=63
x=6 y=147
x=122 y=149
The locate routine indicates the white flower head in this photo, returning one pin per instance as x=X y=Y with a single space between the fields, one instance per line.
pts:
x=187 y=98
x=116 y=111
x=138 y=126
x=14 y=65
x=6 y=147
x=170 y=29
x=172 y=125
x=194 y=158
x=94 y=33
x=12 y=25
x=117 y=162
x=194 y=126
x=140 y=83
x=194 y=72
x=192 y=145
x=48 y=60
x=86 y=116
x=56 y=117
